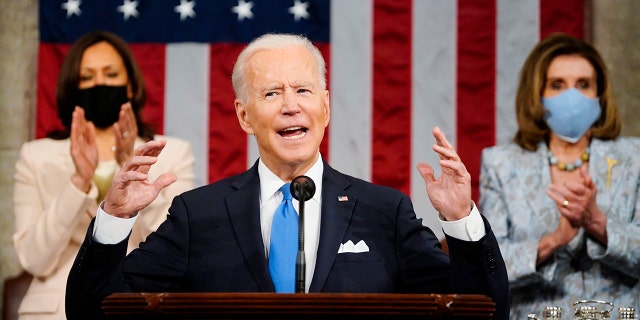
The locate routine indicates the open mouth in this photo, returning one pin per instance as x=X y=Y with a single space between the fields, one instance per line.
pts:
x=293 y=132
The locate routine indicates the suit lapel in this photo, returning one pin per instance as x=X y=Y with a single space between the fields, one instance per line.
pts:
x=243 y=209
x=337 y=207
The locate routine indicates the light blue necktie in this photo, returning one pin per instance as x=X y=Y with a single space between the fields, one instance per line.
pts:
x=284 y=243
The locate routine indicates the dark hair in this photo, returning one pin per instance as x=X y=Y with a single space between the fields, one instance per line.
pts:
x=69 y=78
x=530 y=113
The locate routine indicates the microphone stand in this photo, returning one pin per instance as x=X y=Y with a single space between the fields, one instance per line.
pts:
x=302 y=188
x=300 y=259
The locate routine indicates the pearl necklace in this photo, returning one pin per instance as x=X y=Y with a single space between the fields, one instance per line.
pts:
x=553 y=161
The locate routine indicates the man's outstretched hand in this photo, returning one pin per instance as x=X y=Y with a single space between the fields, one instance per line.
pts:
x=450 y=195
x=131 y=190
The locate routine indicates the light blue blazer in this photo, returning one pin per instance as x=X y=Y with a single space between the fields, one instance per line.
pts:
x=513 y=184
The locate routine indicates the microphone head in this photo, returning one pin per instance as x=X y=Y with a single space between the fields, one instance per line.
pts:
x=302 y=188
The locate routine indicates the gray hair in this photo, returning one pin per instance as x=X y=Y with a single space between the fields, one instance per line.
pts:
x=271 y=41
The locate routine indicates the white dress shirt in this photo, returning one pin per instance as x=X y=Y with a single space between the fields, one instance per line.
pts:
x=270 y=198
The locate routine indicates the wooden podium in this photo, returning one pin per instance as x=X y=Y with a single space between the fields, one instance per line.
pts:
x=351 y=306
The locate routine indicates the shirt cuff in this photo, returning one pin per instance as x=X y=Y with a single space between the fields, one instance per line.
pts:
x=108 y=229
x=469 y=228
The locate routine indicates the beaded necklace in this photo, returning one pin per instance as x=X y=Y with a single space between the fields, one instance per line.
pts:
x=553 y=161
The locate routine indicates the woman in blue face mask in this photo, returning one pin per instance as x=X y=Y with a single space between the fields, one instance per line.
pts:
x=562 y=197
x=60 y=180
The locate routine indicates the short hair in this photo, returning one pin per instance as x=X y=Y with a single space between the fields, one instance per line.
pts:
x=272 y=41
x=530 y=113
x=69 y=79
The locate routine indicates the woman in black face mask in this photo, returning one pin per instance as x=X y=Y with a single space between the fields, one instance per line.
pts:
x=61 y=179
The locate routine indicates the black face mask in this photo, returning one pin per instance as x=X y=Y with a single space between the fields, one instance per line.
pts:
x=102 y=104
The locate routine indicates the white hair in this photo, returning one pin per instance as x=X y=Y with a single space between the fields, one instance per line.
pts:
x=271 y=41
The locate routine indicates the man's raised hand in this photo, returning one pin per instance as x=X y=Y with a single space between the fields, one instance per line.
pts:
x=450 y=194
x=131 y=190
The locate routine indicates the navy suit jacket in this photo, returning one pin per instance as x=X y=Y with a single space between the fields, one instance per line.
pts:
x=211 y=242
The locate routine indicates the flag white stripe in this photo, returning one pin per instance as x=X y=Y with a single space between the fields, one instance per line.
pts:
x=433 y=101
x=187 y=89
x=517 y=34
x=350 y=137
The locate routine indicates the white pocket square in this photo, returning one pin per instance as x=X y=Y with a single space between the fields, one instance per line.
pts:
x=349 y=247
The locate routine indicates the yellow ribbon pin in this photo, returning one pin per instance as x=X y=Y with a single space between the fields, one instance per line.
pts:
x=610 y=164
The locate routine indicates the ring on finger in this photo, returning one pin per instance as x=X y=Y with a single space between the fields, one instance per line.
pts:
x=565 y=203
x=125 y=134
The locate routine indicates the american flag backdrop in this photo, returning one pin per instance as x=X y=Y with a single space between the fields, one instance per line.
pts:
x=397 y=68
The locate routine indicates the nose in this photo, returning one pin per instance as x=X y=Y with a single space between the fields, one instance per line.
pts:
x=290 y=102
x=98 y=79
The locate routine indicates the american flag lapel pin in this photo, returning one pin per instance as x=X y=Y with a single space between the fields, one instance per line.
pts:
x=343 y=198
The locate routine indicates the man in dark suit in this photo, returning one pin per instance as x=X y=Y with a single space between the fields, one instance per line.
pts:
x=360 y=237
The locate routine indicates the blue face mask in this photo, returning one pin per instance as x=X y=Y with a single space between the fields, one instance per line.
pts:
x=570 y=114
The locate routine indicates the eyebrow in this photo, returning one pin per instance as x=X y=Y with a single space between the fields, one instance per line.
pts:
x=562 y=78
x=281 y=86
x=109 y=66
x=272 y=87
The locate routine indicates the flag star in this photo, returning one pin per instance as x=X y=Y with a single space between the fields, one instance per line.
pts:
x=72 y=7
x=243 y=9
x=299 y=10
x=186 y=9
x=128 y=8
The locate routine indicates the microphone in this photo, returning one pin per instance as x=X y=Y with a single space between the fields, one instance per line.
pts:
x=302 y=189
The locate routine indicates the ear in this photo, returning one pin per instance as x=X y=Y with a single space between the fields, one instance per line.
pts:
x=129 y=91
x=327 y=108
x=243 y=116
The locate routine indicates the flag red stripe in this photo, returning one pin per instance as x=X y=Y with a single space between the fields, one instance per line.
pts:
x=151 y=60
x=50 y=57
x=475 y=123
x=562 y=16
x=391 y=150
x=227 y=141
